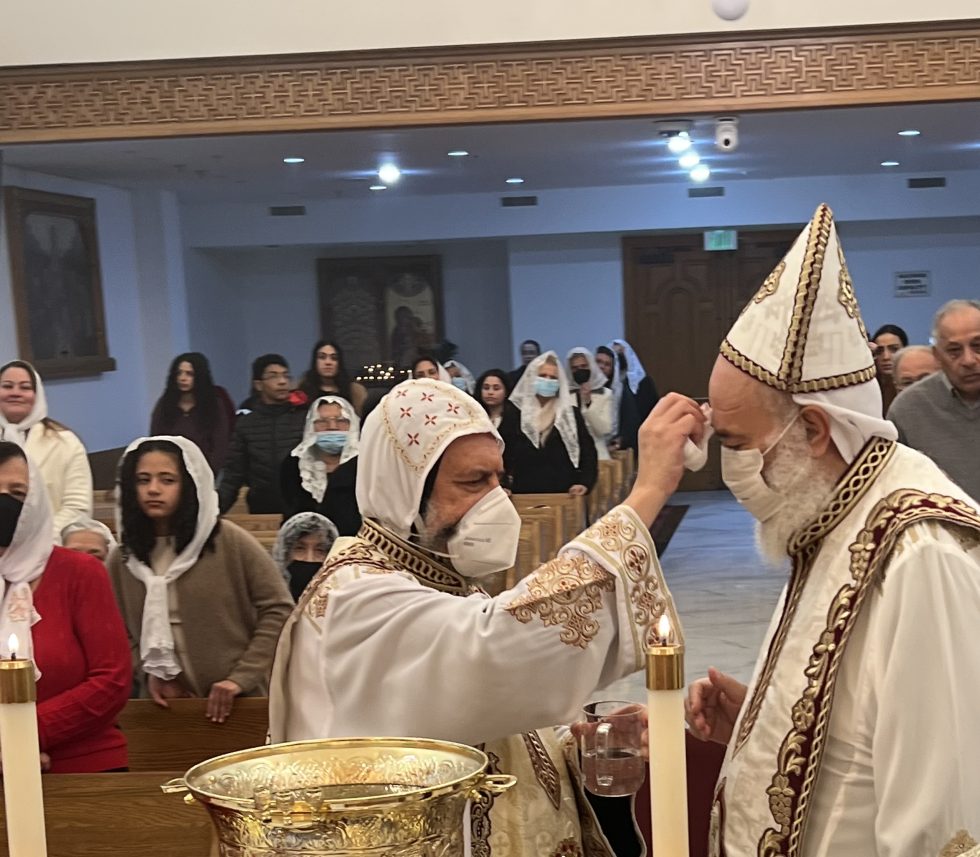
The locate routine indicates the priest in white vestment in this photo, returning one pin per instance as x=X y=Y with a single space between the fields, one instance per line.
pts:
x=394 y=637
x=859 y=734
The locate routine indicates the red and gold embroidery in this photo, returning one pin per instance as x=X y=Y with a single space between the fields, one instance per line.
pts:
x=801 y=751
x=803 y=548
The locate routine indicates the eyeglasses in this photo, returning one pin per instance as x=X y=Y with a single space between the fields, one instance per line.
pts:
x=277 y=376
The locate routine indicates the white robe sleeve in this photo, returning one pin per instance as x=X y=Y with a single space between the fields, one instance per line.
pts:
x=925 y=665
x=401 y=658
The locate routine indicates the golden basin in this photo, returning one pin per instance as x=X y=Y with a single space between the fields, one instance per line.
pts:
x=354 y=797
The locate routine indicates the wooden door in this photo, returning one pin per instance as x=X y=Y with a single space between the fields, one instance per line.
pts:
x=680 y=300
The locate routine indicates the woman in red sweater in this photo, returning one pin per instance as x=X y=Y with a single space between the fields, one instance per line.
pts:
x=79 y=644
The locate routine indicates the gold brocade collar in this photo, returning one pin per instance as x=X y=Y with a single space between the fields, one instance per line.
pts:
x=414 y=559
x=851 y=487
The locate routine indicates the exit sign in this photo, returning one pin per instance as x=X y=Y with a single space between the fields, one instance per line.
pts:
x=721 y=239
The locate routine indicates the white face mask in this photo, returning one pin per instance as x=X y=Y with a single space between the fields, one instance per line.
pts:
x=741 y=470
x=486 y=537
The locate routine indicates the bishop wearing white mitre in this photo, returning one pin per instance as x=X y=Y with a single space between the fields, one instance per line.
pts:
x=394 y=637
x=859 y=735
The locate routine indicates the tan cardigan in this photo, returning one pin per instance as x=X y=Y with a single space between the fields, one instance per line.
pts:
x=232 y=602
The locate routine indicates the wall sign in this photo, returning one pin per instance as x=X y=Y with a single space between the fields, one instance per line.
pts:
x=912 y=284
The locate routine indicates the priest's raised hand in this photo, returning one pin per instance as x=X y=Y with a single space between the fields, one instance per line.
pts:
x=662 y=436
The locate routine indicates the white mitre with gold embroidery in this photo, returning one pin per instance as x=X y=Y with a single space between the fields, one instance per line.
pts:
x=802 y=334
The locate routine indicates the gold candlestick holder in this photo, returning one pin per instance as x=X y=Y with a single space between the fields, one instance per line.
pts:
x=17 y=681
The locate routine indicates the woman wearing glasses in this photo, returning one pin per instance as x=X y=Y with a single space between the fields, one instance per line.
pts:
x=320 y=473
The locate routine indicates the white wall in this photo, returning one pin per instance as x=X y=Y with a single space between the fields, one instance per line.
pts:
x=245 y=302
x=566 y=290
x=55 y=31
x=141 y=288
x=949 y=250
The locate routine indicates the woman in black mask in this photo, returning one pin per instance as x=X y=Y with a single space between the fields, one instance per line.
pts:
x=595 y=402
x=301 y=547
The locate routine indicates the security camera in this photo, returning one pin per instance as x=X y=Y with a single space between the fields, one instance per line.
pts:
x=726 y=133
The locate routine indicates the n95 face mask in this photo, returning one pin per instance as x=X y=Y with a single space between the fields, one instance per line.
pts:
x=486 y=537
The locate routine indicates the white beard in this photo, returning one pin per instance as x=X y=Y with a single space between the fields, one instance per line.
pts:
x=806 y=485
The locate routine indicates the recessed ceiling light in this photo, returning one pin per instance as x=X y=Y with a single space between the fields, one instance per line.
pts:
x=293 y=160
x=909 y=132
x=515 y=180
x=689 y=160
x=700 y=173
x=389 y=173
x=379 y=187
x=457 y=153
x=678 y=143
x=889 y=163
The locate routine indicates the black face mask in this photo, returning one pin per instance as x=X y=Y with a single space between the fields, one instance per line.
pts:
x=10 y=509
x=621 y=359
x=581 y=376
x=300 y=575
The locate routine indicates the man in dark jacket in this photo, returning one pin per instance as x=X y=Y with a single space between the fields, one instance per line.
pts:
x=263 y=437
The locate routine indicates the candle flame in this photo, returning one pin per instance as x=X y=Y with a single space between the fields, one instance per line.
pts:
x=663 y=628
x=12 y=645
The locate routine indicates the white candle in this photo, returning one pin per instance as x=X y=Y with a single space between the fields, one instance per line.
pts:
x=21 y=757
x=668 y=764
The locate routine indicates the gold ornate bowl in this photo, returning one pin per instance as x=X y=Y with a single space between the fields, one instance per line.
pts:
x=352 y=797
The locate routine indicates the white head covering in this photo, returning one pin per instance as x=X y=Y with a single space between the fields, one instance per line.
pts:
x=84 y=524
x=301 y=524
x=156 y=637
x=597 y=378
x=23 y=561
x=802 y=334
x=313 y=471
x=17 y=432
x=464 y=373
x=562 y=408
x=634 y=368
x=403 y=437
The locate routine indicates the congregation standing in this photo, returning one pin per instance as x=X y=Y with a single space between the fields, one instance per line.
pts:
x=193 y=606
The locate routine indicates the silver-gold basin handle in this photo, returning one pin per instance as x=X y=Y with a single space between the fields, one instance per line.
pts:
x=176 y=786
x=496 y=784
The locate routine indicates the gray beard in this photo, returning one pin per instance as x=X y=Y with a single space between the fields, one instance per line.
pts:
x=806 y=485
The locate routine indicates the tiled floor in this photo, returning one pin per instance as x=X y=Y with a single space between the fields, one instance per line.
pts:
x=724 y=593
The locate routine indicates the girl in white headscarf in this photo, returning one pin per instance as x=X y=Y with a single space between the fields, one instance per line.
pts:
x=59 y=605
x=320 y=473
x=58 y=453
x=461 y=377
x=595 y=402
x=202 y=600
x=553 y=453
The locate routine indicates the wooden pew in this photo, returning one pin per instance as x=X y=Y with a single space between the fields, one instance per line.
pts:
x=264 y=528
x=178 y=737
x=104 y=507
x=529 y=553
x=239 y=507
x=601 y=499
x=119 y=815
x=568 y=513
x=627 y=460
